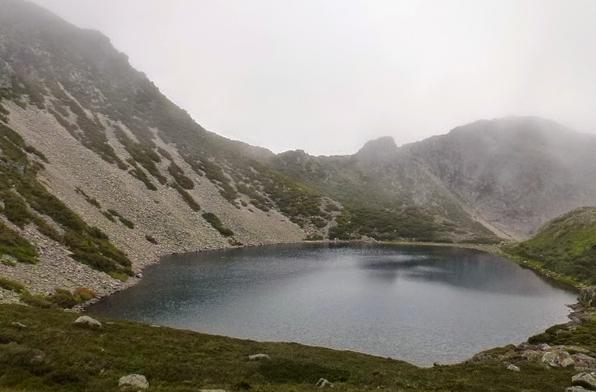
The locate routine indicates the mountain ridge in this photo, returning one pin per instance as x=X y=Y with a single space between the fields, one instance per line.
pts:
x=138 y=178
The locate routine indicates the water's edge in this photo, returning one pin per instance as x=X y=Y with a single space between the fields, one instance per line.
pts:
x=486 y=248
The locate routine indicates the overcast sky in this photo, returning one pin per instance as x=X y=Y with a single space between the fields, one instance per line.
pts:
x=327 y=75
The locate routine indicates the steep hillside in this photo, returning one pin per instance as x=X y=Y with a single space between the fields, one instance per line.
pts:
x=499 y=178
x=565 y=245
x=388 y=195
x=516 y=173
x=101 y=174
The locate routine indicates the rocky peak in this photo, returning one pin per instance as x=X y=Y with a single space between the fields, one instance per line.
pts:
x=378 y=150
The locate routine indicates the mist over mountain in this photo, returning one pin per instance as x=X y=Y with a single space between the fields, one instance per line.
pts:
x=101 y=174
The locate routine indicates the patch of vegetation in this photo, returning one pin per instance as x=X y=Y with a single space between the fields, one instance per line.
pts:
x=26 y=201
x=126 y=222
x=14 y=245
x=383 y=225
x=11 y=285
x=178 y=174
x=583 y=336
x=566 y=246
x=78 y=359
x=142 y=154
x=217 y=224
x=88 y=198
x=188 y=199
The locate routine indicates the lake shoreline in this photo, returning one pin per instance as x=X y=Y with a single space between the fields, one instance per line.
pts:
x=493 y=249
x=490 y=249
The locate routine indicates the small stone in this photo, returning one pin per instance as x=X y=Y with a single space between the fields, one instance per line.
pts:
x=585 y=379
x=18 y=325
x=88 y=322
x=324 y=383
x=258 y=357
x=133 y=382
x=513 y=368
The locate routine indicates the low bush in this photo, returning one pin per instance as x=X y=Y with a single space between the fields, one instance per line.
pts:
x=217 y=224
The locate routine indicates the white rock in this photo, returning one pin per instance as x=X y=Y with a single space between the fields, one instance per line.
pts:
x=18 y=325
x=258 y=357
x=513 y=368
x=86 y=321
x=324 y=383
x=133 y=382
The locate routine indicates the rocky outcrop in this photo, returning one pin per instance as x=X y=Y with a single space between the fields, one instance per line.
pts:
x=133 y=383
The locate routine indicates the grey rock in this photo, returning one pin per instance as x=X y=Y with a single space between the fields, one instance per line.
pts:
x=87 y=322
x=258 y=357
x=133 y=382
x=585 y=379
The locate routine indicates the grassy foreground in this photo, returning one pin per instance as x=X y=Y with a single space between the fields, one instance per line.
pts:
x=52 y=354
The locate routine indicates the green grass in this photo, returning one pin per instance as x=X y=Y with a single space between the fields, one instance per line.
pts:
x=26 y=201
x=13 y=244
x=78 y=359
x=566 y=246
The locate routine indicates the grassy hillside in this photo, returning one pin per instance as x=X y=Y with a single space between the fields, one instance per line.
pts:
x=51 y=354
x=566 y=245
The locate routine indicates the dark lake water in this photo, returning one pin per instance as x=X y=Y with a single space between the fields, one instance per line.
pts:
x=419 y=304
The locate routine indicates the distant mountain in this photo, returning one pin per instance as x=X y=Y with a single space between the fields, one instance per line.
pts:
x=507 y=176
x=566 y=245
x=516 y=173
x=101 y=174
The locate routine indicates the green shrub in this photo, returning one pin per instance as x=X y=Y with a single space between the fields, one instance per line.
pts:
x=83 y=294
x=11 y=285
x=217 y=224
x=13 y=244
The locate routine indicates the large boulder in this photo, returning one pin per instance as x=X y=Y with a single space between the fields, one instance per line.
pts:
x=558 y=358
x=133 y=382
x=87 y=322
x=585 y=379
x=587 y=296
